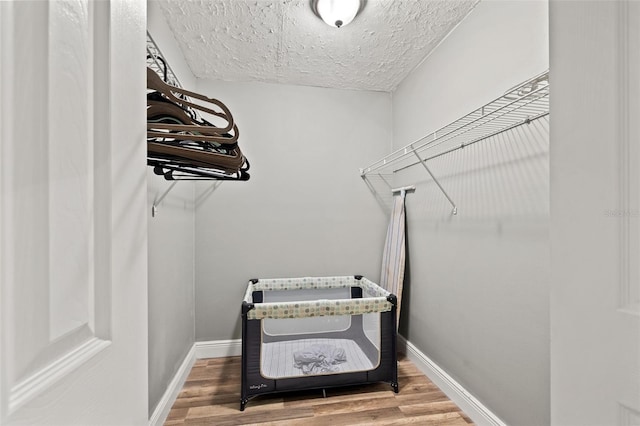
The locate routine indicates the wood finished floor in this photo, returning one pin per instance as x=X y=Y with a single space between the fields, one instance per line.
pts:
x=211 y=396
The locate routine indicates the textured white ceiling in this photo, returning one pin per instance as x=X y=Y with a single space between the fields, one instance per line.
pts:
x=282 y=41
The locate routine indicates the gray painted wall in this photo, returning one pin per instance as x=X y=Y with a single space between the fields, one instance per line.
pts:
x=171 y=248
x=171 y=283
x=477 y=291
x=476 y=298
x=305 y=211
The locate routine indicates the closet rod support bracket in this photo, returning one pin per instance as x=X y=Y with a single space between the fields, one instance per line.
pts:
x=424 y=164
x=154 y=207
x=403 y=191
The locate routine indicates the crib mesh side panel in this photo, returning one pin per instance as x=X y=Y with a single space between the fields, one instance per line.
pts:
x=332 y=344
x=297 y=326
x=388 y=370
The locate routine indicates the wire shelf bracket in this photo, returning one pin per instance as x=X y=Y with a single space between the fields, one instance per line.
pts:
x=157 y=62
x=154 y=207
x=454 y=211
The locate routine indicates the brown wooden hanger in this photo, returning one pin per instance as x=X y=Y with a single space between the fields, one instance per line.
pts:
x=181 y=131
x=154 y=82
x=158 y=110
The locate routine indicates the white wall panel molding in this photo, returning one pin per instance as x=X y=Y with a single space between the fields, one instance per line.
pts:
x=42 y=379
x=595 y=234
x=628 y=94
x=72 y=219
x=628 y=416
x=629 y=158
x=49 y=280
x=6 y=92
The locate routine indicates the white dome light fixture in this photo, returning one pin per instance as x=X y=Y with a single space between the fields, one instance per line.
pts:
x=337 y=13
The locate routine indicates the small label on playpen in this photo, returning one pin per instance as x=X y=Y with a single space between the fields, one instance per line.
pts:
x=258 y=387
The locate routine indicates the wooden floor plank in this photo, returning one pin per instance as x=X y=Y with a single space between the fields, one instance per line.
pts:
x=251 y=417
x=211 y=396
x=436 y=407
x=446 y=419
x=316 y=399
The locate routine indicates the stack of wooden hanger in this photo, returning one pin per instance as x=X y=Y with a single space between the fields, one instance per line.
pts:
x=183 y=146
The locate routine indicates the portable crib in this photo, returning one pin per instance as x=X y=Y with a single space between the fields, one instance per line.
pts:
x=316 y=333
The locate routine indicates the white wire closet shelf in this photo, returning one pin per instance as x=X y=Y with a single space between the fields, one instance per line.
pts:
x=156 y=61
x=520 y=105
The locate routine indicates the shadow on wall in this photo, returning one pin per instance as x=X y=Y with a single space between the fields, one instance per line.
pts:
x=499 y=181
x=380 y=186
x=405 y=311
x=505 y=177
x=204 y=191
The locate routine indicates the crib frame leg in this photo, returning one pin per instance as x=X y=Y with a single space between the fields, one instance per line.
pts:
x=243 y=403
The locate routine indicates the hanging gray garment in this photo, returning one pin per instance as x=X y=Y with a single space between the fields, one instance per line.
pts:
x=393 y=257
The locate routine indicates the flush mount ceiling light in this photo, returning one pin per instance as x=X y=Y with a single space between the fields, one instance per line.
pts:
x=337 y=13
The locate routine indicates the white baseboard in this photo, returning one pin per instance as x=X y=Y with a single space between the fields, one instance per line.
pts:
x=199 y=350
x=175 y=386
x=218 y=348
x=480 y=414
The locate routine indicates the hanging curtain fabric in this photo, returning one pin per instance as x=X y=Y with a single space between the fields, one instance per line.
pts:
x=393 y=257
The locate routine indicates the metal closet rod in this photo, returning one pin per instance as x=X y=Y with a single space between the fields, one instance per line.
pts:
x=523 y=103
x=423 y=161
x=473 y=120
x=493 y=120
x=480 y=139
